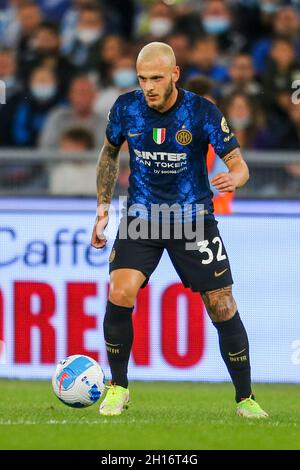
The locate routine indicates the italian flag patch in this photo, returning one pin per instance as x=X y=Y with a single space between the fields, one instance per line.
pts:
x=159 y=135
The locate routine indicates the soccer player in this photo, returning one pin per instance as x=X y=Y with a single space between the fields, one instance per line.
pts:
x=168 y=131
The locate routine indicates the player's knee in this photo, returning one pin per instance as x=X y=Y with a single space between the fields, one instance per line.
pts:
x=223 y=310
x=120 y=295
x=220 y=304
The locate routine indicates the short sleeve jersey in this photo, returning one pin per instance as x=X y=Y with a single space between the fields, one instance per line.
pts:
x=168 y=150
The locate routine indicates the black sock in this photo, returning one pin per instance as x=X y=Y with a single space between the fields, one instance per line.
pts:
x=234 y=349
x=118 y=334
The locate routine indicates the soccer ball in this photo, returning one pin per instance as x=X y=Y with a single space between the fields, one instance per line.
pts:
x=78 y=381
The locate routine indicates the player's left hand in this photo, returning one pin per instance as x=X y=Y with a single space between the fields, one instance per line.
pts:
x=99 y=240
x=224 y=182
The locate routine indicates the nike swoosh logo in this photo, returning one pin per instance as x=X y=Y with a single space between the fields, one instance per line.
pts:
x=235 y=354
x=220 y=274
x=134 y=135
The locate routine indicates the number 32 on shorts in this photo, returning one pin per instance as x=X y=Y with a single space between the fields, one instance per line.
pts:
x=203 y=248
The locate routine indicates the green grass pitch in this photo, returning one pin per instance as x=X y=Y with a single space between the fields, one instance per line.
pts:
x=161 y=416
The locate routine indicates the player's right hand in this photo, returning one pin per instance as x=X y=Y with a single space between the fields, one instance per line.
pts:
x=98 y=238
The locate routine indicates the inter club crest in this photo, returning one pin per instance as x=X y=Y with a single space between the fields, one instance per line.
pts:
x=184 y=137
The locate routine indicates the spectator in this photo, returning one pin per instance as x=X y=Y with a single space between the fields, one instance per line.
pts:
x=69 y=23
x=53 y=10
x=188 y=20
x=202 y=86
x=21 y=120
x=283 y=68
x=291 y=139
x=269 y=7
x=286 y=25
x=10 y=21
x=292 y=142
x=46 y=40
x=23 y=117
x=217 y=20
x=158 y=23
x=247 y=121
x=242 y=77
x=77 y=139
x=204 y=58
x=84 y=53
x=121 y=16
x=207 y=37
x=216 y=17
x=181 y=47
x=75 y=177
x=79 y=112
x=29 y=17
x=112 y=49
x=124 y=74
x=222 y=201
x=9 y=24
x=249 y=13
x=45 y=50
x=123 y=79
x=8 y=68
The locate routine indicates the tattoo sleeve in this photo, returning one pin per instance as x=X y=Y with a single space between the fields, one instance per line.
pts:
x=107 y=172
x=235 y=153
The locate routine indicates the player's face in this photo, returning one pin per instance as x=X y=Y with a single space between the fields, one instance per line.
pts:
x=157 y=80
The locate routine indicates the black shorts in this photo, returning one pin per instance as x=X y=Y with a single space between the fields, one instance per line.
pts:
x=202 y=269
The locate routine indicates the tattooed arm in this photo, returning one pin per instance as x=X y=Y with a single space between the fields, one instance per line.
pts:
x=107 y=173
x=237 y=176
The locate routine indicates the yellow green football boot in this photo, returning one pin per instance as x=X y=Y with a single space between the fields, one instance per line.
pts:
x=115 y=401
x=249 y=408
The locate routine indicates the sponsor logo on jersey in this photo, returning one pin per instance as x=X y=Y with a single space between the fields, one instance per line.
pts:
x=184 y=137
x=159 y=135
x=134 y=134
x=160 y=156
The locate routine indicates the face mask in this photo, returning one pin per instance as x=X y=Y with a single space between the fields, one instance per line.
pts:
x=124 y=78
x=240 y=124
x=160 y=27
x=269 y=8
x=43 y=92
x=88 y=36
x=215 y=24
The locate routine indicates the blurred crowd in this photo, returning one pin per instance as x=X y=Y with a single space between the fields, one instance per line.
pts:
x=65 y=62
